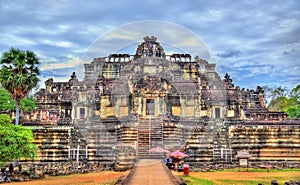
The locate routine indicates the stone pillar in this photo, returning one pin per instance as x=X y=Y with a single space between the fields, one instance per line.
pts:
x=118 y=106
x=102 y=107
x=90 y=111
x=182 y=105
x=158 y=106
x=73 y=114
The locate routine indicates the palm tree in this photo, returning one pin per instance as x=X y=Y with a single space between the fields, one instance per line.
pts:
x=19 y=74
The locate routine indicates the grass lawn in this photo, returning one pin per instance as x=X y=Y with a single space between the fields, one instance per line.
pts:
x=233 y=177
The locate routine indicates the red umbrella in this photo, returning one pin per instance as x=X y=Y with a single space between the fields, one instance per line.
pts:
x=158 y=149
x=177 y=153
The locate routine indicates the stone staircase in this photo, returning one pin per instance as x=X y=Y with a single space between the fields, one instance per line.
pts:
x=199 y=142
x=125 y=157
x=102 y=142
x=270 y=143
x=222 y=152
x=52 y=142
x=150 y=135
x=208 y=143
x=127 y=134
x=78 y=140
x=126 y=147
x=173 y=136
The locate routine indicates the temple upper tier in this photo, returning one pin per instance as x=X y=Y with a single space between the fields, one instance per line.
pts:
x=149 y=83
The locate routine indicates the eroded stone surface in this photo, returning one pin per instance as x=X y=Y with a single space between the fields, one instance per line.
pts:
x=127 y=104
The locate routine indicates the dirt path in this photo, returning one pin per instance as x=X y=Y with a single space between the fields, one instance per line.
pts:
x=76 y=179
x=150 y=172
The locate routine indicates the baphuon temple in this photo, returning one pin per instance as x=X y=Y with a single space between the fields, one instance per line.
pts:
x=129 y=103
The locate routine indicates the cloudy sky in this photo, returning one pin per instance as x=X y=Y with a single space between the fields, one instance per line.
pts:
x=256 y=42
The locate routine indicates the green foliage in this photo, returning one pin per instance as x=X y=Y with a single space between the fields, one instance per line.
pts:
x=19 y=74
x=193 y=180
x=284 y=101
x=243 y=182
x=15 y=140
x=27 y=104
x=260 y=170
x=271 y=93
x=278 y=104
x=5 y=120
x=225 y=177
x=293 y=111
x=7 y=103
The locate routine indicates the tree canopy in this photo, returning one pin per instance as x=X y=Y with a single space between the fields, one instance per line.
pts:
x=8 y=104
x=284 y=100
x=19 y=74
x=16 y=141
x=6 y=101
x=27 y=104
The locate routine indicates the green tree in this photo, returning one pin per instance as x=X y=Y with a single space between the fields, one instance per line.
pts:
x=272 y=93
x=296 y=92
x=8 y=104
x=27 y=104
x=19 y=74
x=279 y=104
x=293 y=111
x=15 y=141
x=285 y=101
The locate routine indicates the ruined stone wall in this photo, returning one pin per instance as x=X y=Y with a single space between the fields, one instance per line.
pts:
x=267 y=143
x=218 y=142
x=52 y=143
x=127 y=104
x=200 y=144
x=116 y=144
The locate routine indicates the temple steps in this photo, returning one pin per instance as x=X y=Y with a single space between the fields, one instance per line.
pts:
x=267 y=143
x=150 y=135
x=125 y=157
x=52 y=143
x=101 y=142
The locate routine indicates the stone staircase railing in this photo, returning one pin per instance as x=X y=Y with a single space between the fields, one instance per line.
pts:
x=222 y=152
x=150 y=135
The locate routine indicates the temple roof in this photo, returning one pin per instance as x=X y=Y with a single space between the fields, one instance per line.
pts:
x=150 y=48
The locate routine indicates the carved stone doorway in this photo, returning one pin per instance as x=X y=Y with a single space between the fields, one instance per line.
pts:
x=150 y=107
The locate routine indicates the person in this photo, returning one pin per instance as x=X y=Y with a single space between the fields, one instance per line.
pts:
x=180 y=167
x=5 y=176
x=11 y=168
x=168 y=162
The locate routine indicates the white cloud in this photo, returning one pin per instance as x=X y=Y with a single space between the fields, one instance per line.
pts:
x=287 y=25
x=266 y=34
x=71 y=63
x=122 y=35
x=200 y=17
x=14 y=40
x=96 y=30
x=43 y=58
x=63 y=44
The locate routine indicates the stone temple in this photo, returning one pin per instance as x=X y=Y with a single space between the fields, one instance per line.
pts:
x=129 y=103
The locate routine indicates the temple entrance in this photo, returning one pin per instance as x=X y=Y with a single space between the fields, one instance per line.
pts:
x=150 y=107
